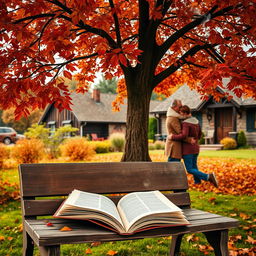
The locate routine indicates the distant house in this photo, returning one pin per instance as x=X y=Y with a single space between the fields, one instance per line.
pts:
x=91 y=114
x=225 y=118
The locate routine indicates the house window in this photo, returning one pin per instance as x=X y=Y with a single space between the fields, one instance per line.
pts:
x=251 y=120
x=52 y=126
x=67 y=123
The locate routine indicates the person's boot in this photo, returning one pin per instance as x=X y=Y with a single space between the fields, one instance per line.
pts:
x=212 y=179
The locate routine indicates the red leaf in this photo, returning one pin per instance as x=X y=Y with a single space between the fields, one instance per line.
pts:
x=67 y=74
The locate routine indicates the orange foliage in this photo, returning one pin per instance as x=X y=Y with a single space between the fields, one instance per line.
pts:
x=8 y=191
x=28 y=151
x=236 y=177
x=77 y=149
x=3 y=154
x=164 y=42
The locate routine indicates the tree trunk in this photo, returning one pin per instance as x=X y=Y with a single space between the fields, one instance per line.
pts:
x=136 y=146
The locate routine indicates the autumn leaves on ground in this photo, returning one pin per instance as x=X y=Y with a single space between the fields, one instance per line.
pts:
x=235 y=197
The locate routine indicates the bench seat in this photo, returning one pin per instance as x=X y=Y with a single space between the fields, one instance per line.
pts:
x=84 y=231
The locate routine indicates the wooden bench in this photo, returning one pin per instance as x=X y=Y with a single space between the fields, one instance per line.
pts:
x=59 y=179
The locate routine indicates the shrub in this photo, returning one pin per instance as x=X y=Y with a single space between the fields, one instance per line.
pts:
x=152 y=127
x=202 y=140
x=228 y=143
x=28 y=151
x=117 y=141
x=101 y=146
x=4 y=153
x=159 y=144
x=51 y=142
x=77 y=149
x=38 y=131
x=241 y=139
x=151 y=146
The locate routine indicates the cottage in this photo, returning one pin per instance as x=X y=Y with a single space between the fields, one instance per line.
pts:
x=91 y=114
x=224 y=118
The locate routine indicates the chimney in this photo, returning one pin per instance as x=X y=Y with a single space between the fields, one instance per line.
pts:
x=96 y=95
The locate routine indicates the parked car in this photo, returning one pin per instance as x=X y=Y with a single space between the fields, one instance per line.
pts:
x=8 y=135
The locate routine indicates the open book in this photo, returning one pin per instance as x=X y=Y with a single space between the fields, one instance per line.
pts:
x=134 y=212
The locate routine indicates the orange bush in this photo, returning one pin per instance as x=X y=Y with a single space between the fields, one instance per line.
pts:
x=77 y=149
x=228 y=143
x=28 y=151
x=4 y=153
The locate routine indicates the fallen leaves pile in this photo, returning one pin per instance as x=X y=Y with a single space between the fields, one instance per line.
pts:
x=8 y=191
x=235 y=176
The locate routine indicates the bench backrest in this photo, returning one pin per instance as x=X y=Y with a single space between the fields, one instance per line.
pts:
x=59 y=179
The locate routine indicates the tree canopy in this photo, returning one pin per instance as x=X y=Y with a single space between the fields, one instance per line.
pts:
x=152 y=44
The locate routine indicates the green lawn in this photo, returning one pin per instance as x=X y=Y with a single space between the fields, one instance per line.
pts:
x=238 y=153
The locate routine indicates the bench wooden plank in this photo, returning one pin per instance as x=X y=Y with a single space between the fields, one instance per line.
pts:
x=49 y=207
x=89 y=232
x=54 y=179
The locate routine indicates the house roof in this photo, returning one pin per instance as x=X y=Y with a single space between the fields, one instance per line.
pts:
x=188 y=97
x=193 y=99
x=85 y=108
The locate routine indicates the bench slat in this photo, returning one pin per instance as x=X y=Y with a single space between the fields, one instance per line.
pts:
x=53 y=179
x=89 y=232
x=49 y=207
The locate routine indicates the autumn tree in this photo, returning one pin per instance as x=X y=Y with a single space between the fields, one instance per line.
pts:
x=151 y=44
x=23 y=123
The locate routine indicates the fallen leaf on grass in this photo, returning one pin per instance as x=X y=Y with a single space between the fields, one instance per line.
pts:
x=244 y=216
x=2 y=238
x=212 y=199
x=250 y=240
x=94 y=244
x=88 y=251
x=111 y=252
x=66 y=228
x=192 y=238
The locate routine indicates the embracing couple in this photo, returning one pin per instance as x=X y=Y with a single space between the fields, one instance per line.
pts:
x=184 y=132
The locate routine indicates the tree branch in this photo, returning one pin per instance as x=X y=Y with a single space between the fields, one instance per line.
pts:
x=117 y=26
x=179 y=63
x=143 y=21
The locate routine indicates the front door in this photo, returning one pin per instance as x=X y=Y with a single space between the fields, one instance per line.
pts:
x=223 y=121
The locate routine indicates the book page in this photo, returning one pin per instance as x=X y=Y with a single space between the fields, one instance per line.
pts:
x=90 y=201
x=136 y=205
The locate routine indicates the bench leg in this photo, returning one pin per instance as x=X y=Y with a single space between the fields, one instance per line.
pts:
x=219 y=241
x=175 y=245
x=28 y=244
x=49 y=250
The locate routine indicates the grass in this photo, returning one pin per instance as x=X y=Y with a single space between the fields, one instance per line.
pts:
x=237 y=153
x=11 y=235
